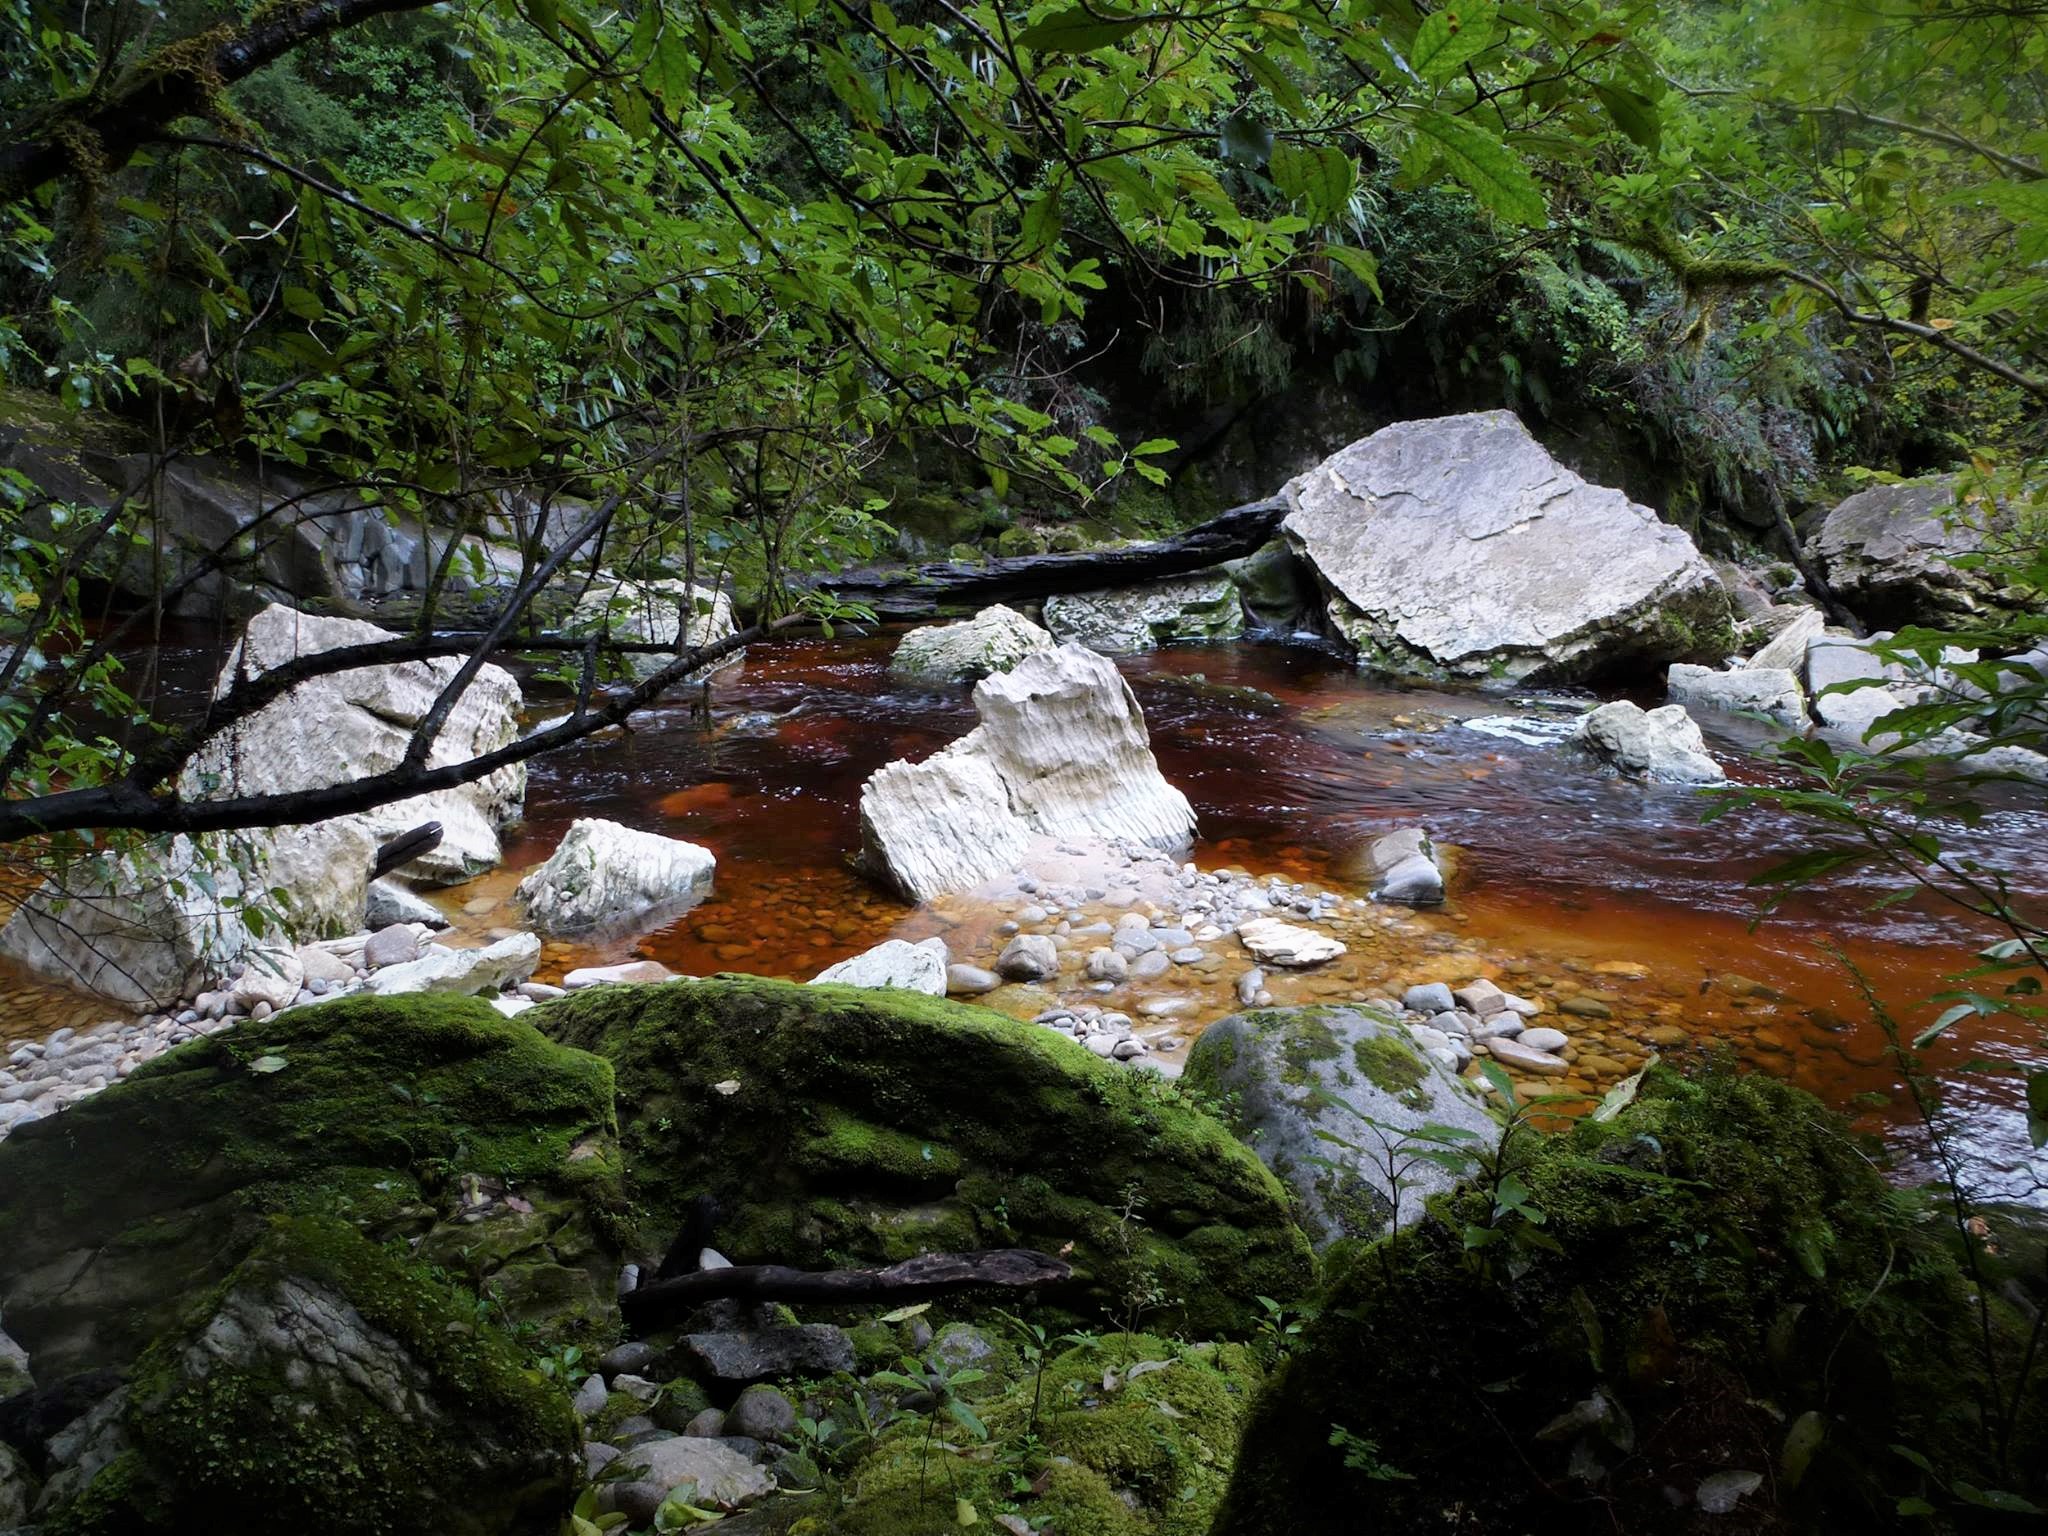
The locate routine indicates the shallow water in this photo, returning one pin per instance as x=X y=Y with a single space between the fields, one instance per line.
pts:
x=1564 y=877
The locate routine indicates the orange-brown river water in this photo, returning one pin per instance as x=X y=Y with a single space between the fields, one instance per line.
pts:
x=1293 y=762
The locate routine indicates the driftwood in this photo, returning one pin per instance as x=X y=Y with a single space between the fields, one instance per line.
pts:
x=926 y=591
x=404 y=848
x=931 y=1274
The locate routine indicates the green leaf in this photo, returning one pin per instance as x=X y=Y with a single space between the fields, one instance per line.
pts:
x=1489 y=170
x=1246 y=140
x=1447 y=40
x=268 y=1064
x=1317 y=175
x=1362 y=265
x=1802 y=1440
x=1078 y=31
x=1634 y=113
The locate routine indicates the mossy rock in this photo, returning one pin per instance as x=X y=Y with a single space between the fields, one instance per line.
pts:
x=1713 y=1265
x=843 y=1125
x=1322 y=1092
x=331 y=1387
x=1120 y=1451
x=434 y=1119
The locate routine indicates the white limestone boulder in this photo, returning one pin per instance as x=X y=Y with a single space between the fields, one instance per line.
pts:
x=355 y=724
x=654 y=612
x=919 y=967
x=1458 y=547
x=1663 y=744
x=994 y=640
x=1127 y=620
x=604 y=877
x=1061 y=751
x=157 y=923
x=1769 y=691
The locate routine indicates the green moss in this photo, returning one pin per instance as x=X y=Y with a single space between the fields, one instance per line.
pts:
x=439 y=1425
x=1142 y=1452
x=384 y=1113
x=820 y=1156
x=1394 y=1066
x=1719 y=1259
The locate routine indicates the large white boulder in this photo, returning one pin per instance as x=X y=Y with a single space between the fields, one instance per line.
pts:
x=1770 y=691
x=919 y=967
x=355 y=724
x=155 y=924
x=994 y=640
x=440 y=968
x=1126 y=620
x=603 y=876
x=1061 y=752
x=1460 y=547
x=652 y=612
x=1890 y=552
x=1649 y=744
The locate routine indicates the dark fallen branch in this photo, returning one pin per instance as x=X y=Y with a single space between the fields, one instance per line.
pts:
x=932 y=1274
x=404 y=848
x=928 y=591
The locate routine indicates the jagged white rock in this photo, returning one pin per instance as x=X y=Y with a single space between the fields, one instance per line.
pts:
x=1786 y=650
x=356 y=724
x=919 y=967
x=1459 y=546
x=1125 y=620
x=1771 y=691
x=652 y=612
x=1653 y=744
x=442 y=969
x=604 y=876
x=1276 y=943
x=994 y=640
x=1061 y=751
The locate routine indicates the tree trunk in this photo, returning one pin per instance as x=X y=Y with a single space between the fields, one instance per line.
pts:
x=929 y=591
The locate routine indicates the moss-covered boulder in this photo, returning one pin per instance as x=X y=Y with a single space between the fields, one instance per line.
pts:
x=843 y=1125
x=1722 y=1305
x=1131 y=1435
x=329 y=1387
x=433 y=1119
x=1343 y=1105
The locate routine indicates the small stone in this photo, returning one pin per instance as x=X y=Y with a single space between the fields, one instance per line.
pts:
x=590 y=1398
x=631 y=973
x=1188 y=954
x=1126 y=1050
x=1150 y=967
x=1666 y=1036
x=1249 y=986
x=1029 y=957
x=762 y=1413
x=708 y=1425
x=970 y=981
x=1481 y=997
x=394 y=945
x=1551 y=1040
x=1512 y=1053
x=635 y=1357
x=638 y=1388
x=1107 y=965
x=1585 y=1008
x=1431 y=998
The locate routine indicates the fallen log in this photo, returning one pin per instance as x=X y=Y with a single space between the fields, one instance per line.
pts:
x=931 y=1274
x=930 y=591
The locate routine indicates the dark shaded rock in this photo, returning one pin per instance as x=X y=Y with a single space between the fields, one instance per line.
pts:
x=763 y=1354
